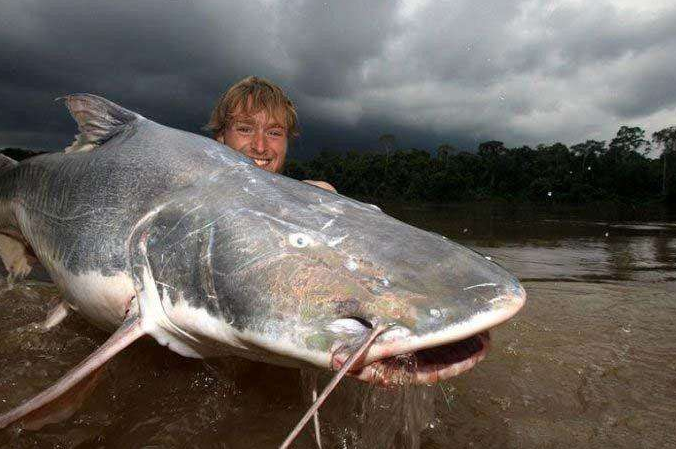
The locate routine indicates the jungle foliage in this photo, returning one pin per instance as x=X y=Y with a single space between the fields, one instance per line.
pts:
x=589 y=171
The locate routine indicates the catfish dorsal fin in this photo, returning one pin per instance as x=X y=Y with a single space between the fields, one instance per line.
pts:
x=7 y=163
x=98 y=120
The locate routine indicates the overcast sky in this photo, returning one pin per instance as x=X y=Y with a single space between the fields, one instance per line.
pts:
x=429 y=72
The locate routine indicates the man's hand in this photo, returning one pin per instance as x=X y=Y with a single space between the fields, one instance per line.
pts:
x=322 y=185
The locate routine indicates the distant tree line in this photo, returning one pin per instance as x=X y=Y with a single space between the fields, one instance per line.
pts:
x=589 y=171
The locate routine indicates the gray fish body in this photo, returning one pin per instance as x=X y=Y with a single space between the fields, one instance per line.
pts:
x=84 y=204
x=228 y=258
x=76 y=210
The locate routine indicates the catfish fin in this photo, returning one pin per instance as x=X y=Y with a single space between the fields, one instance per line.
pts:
x=65 y=405
x=98 y=120
x=16 y=256
x=55 y=316
x=7 y=163
x=130 y=331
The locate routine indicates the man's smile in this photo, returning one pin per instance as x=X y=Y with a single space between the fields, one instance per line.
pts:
x=261 y=162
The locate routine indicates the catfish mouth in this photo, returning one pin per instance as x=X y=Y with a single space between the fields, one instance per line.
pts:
x=399 y=357
x=424 y=366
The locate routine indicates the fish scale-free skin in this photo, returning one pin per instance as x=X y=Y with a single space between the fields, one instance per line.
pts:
x=251 y=276
x=83 y=205
x=242 y=259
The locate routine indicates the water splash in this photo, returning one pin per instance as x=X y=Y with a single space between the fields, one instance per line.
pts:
x=395 y=418
x=365 y=416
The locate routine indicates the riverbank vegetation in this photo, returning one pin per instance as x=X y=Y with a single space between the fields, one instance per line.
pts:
x=591 y=171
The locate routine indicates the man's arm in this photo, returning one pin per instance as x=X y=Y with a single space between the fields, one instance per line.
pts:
x=322 y=184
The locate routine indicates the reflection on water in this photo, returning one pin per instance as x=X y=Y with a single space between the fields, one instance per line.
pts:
x=589 y=362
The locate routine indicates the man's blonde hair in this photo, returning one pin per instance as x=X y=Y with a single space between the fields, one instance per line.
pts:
x=248 y=97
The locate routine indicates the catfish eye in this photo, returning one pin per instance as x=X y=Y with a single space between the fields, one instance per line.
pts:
x=300 y=240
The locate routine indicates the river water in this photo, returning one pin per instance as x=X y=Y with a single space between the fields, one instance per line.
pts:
x=589 y=362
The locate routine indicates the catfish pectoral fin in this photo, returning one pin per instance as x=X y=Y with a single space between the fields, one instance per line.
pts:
x=16 y=257
x=130 y=331
x=64 y=406
x=55 y=316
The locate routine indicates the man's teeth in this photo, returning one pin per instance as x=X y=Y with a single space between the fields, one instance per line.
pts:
x=261 y=162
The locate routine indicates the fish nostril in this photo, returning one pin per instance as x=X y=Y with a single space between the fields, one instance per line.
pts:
x=363 y=321
x=350 y=325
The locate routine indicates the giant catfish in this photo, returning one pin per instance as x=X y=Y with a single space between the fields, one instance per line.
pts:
x=149 y=230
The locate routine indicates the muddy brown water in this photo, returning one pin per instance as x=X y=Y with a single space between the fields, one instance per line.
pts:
x=589 y=362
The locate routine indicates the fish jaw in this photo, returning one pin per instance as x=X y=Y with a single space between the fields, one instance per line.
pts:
x=397 y=357
x=426 y=366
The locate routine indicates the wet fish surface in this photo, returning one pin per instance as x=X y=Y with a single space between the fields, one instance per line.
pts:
x=149 y=230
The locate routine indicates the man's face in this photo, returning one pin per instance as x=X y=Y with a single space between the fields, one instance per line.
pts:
x=260 y=137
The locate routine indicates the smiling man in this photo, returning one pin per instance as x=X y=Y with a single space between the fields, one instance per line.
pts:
x=257 y=119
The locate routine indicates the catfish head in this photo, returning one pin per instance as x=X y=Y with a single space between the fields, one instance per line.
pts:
x=255 y=264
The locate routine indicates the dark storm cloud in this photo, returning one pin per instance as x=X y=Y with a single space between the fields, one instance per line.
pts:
x=168 y=60
x=328 y=42
x=644 y=89
x=427 y=71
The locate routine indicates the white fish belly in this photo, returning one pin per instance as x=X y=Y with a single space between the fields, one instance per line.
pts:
x=103 y=300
